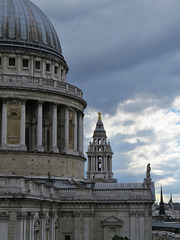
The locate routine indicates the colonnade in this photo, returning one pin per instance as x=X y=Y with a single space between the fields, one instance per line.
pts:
x=105 y=161
x=9 y=106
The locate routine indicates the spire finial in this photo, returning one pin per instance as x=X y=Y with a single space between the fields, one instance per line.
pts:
x=99 y=118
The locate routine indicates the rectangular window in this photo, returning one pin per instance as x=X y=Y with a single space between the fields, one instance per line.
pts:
x=56 y=70
x=67 y=237
x=12 y=62
x=47 y=67
x=25 y=63
x=37 y=65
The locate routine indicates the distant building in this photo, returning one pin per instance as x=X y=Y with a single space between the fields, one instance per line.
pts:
x=166 y=221
x=43 y=193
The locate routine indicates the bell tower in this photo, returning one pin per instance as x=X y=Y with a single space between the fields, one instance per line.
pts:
x=99 y=156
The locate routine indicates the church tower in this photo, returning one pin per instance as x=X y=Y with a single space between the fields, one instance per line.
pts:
x=161 y=204
x=99 y=156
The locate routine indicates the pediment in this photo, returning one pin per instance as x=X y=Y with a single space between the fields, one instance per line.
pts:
x=112 y=220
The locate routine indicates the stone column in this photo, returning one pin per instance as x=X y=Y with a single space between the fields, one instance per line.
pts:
x=132 y=225
x=54 y=130
x=23 y=126
x=42 y=216
x=52 y=226
x=30 y=229
x=106 y=163
x=80 y=133
x=22 y=217
x=66 y=130
x=75 y=130
x=39 y=147
x=4 y=125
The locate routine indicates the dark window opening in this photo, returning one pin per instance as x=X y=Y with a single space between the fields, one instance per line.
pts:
x=0 y=60
x=12 y=62
x=25 y=62
x=67 y=237
x=56 y=70
x=47 y=67
x=27 y=139
x=37 y=65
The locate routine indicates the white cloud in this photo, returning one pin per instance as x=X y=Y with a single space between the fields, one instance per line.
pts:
x=152 y=132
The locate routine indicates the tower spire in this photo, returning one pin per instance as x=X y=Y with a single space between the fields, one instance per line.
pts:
x=99 y=155
x=161 y=209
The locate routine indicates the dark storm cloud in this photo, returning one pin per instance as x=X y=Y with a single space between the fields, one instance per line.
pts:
x=115 y=48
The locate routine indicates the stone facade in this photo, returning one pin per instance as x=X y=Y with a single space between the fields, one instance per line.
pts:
x=43 y=192
x=71 y=209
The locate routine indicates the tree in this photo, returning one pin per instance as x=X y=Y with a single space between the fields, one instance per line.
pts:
x=120 y=238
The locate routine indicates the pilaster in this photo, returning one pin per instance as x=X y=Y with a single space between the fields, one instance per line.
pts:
x=132 y=225
x=4 y=125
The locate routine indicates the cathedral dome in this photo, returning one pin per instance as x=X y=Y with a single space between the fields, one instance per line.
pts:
x=23 y=24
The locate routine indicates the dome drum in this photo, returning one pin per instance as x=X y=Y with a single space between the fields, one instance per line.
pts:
x=41 y=127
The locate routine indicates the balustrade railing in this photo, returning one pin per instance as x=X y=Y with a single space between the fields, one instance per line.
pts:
x=39 y=83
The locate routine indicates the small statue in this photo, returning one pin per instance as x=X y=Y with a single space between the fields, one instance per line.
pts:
x=148 y=175
x=147 y=180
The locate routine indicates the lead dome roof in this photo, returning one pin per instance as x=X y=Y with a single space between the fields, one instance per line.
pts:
x=23 y=24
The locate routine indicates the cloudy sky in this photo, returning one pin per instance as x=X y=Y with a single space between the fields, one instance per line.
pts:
x=125 y=56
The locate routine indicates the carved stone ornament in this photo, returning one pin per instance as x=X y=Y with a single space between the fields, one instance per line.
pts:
x=4 y=215
x=22 y=215
x=87 y=214
x=132 y=214
x=77 y=214
x=14 y=101
x=52 y=214
x=141 y=214
x=67 y=214
x=42 y=214
x=31 y=215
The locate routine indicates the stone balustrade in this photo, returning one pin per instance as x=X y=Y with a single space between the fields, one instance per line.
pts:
x=16 y=81
x=17 y=187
